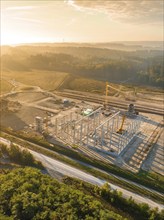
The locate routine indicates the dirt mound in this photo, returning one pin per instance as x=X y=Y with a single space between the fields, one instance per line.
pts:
x=9 y=106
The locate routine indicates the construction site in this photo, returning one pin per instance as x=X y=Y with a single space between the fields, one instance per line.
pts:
x=93 y=125
x=109 y=134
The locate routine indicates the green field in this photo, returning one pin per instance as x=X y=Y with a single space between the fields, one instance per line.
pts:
x=49 y=80
x=52 y=80
x=83 y=84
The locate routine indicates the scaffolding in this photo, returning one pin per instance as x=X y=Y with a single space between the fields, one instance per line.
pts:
x=97 y=131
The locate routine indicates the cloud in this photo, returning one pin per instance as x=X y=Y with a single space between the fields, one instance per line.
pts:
x=20 y=8
x=28 y=20
x=72 y=21
x=131 y=11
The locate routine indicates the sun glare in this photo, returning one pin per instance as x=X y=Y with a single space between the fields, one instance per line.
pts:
x=15 y=39
x=65 y=21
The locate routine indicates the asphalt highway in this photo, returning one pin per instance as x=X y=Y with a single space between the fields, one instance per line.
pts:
x=53 y=166
x=56 y=167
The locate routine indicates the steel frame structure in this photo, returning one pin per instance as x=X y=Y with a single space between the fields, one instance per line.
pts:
x=97 y=131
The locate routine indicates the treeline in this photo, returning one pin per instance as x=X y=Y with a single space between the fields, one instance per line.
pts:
x=81 y=51
x=26 y=194
x=140 y=67
x=153 y=76
x=114 y=200
x=19 y=156
x=115 y=70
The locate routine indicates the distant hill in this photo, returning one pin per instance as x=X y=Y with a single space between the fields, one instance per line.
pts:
x=118 y=45
x=90 y=60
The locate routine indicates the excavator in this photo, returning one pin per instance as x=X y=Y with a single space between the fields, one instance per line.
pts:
x=121 y=130
x=131 y=109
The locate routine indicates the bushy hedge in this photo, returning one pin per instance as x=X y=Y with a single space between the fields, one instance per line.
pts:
x=20 y=156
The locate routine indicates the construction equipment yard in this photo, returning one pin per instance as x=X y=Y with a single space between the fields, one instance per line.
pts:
x=80 y=121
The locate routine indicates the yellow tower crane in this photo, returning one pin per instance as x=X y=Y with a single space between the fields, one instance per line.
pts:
x=120 y=130
x=107 y=91
x=106 y=95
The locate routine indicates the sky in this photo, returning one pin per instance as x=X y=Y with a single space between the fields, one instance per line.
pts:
x=81 y=21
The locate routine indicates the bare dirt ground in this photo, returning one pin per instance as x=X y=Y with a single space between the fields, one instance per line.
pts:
x=21 y=119
x=158 y=97
x=155 y=159
x=50 y=103
x=27 y=97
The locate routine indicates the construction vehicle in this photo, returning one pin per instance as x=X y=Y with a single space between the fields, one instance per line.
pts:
x=132 y=110
x=121 y=130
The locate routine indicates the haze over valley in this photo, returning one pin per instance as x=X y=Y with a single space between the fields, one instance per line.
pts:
x=81 y=110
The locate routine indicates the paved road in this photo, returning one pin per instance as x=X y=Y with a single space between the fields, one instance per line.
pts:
x=88 y=165
x=56 y=167
x=53 y=166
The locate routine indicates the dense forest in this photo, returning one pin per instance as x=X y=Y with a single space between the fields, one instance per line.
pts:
x=142 y=67
x=26 y=194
